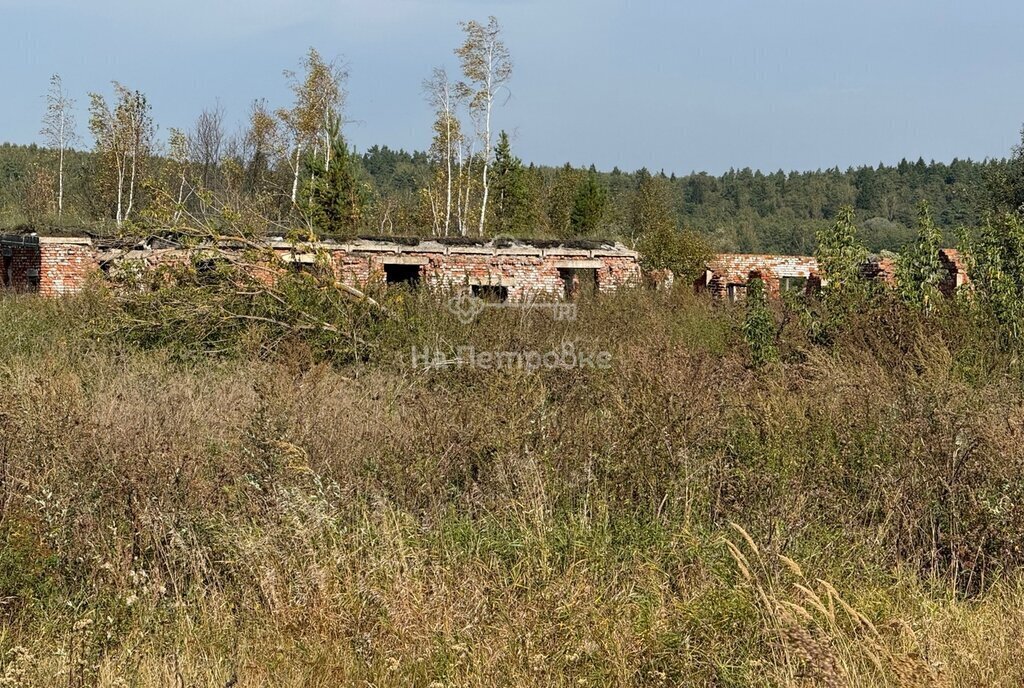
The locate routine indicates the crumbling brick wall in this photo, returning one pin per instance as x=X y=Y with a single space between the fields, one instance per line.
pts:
x=20 y=268
x=57 y=266
x=526 y=272
x=524 y=275
x=65 y=267
x=736 y=269
x=880 y=269
x=955 y=271
x=49 y=266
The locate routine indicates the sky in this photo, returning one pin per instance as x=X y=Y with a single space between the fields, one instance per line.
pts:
x=668 y=85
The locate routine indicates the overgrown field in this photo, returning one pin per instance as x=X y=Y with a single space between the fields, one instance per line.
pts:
x=277 y=515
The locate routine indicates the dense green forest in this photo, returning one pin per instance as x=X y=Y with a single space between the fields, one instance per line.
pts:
x=741 y=210
x=747 y=210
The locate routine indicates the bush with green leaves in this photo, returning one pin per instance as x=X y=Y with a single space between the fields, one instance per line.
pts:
x=662 y=245
x=996 y=264
x=841 y=259
x=919 y=268
x=759 y=329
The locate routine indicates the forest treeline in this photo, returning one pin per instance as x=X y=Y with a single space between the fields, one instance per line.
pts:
x=742 y=210
x=291 y=168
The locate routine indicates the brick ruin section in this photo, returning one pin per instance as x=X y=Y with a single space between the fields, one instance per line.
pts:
x=51 y=266
x=65 y=266
x=519 y=271
x=727 y=274
x=524 y=271
x=956 y=271
x=20 y=269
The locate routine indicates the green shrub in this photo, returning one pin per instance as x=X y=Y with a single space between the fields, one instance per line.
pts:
x=759 y=325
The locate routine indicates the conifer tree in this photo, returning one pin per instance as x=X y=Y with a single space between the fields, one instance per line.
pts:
x=335 y=197
x=511 y=207
x=561 y=198
x=589 y=206
x=1006 y=182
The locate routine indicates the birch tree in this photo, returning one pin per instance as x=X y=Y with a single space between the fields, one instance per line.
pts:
x=466 y=184
x=487 y=67
x=124 y=139
x=319 y=97
x=263 y=145
x=207 y=141
x=443 y=96
x=179 y=152
x=59 y=130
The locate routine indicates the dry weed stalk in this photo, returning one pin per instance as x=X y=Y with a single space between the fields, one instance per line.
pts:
x=813 y=644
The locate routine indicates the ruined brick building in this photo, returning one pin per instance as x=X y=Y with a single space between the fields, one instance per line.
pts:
x=727 y=274
x=498 y=269
x=501 y=270
x=49 y=265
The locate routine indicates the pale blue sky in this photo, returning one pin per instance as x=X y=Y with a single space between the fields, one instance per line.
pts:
x=791 y=84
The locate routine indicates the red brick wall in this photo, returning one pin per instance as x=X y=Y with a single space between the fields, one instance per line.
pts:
x=526 y=276
x=956 y=271
x=737 y=269
x=619 y=271
x=880 y=270
x=51 y=268
x=64 y=268
x=22 y=262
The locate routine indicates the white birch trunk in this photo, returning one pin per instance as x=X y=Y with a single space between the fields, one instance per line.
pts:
x=435 y=212
x=458 y=205
x=295 y=178
x=60 y=170
x=119 y=161
x=328 y=153
x=448 y=158
x=487 y=134
x=131 y=190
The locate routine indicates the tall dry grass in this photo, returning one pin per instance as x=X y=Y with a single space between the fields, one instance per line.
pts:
x=255 y=519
